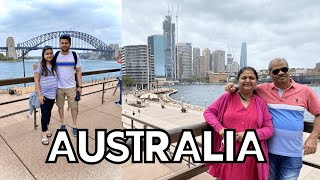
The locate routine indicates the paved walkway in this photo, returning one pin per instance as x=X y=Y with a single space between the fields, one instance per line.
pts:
x=22 y=156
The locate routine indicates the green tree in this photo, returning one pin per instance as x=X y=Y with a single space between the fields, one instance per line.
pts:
x=126 y=80
x=2 y=56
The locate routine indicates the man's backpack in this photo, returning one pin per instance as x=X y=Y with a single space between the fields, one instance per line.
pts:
x=75 y=57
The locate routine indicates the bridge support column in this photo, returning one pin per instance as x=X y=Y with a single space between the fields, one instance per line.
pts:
x=11 y=52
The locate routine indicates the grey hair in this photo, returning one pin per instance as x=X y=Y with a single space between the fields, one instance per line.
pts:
x=278 y=60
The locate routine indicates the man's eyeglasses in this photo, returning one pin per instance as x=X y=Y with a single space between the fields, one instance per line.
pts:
x=276 y=71
x=47 y=47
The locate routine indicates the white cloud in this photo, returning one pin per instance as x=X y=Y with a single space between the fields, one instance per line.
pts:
x=25 y=20
x=271 y=28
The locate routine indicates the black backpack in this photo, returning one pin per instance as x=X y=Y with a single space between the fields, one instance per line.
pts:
x=75 y=57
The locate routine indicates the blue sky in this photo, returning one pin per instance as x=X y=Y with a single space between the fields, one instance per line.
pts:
x=27 y=19
x=283 y=28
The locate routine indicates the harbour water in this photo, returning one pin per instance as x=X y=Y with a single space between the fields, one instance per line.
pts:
x=204 y=95
x=10 y=70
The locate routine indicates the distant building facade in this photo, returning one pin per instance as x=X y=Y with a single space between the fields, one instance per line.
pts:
x=243 y=57
x=184 y=55
x=195 y=62
x=169 y=48
x=156 y=43
x=219 y=61
x=138 y=64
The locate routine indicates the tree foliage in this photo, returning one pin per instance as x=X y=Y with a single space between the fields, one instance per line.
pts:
x=2 y=56
x=127 y=81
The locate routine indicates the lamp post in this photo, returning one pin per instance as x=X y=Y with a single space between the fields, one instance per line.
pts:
x=24 y=69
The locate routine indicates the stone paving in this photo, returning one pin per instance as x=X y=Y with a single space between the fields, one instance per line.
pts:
x=22 y=156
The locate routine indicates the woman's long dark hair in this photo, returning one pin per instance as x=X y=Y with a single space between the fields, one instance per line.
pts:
x=45 y=71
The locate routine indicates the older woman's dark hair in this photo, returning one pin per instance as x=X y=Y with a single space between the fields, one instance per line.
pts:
x=247 y=68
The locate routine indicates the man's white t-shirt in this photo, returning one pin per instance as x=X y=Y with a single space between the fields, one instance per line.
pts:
x=66 y=71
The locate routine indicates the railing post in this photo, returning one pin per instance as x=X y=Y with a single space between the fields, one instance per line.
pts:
x=102 y=101
x=108 y=79
x=132 y=124
x=92 y=80
x=189 y=161
x=35 y=119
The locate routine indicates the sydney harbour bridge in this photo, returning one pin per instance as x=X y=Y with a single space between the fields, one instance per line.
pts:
x=79 y=41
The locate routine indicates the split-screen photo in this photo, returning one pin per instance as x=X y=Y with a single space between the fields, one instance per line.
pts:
x=150 y=90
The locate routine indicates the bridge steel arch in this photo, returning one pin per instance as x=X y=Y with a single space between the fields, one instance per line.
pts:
x=95 y=42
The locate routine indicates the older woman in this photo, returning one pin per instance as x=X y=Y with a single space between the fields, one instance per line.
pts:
x=240 y=111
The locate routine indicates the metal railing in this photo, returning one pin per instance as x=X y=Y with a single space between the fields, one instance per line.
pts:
x=197 y=129
x=14 y=81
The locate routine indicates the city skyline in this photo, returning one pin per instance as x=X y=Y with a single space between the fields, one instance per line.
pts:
x=24 y=20
x=268 y=30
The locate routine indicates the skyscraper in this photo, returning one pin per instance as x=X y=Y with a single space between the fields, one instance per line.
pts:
x=211 y=63
x=202 y=66
x=206 y=54
x=243 y=57
x=229 y=59
x=195 y=60
x=156 y=43
x=138 y=64
x=219 y=61
x=185 y=60
x=233 y=68
x=169 y=48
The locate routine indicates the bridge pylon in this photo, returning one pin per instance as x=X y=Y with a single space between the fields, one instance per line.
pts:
x=11 y=48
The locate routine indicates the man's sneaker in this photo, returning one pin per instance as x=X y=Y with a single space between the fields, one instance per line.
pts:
x=118 y=103
x=75 y=132
x=63 y=126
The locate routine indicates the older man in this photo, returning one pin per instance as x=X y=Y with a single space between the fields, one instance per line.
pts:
x=287 y=101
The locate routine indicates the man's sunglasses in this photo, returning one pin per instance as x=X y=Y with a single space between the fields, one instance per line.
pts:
x=47 y=47
x=276 y=71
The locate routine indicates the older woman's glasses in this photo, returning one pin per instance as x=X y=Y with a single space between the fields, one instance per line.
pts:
x=276 y=71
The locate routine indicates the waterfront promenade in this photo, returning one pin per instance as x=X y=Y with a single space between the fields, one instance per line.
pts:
x=22 y=156
x=171 y=117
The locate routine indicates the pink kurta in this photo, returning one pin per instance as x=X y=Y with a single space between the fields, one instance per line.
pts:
x=214 y=116
x=239 y=118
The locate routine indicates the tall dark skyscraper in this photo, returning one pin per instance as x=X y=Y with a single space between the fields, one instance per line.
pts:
x=243 y=57
x=169 y=48
x=156 y=43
